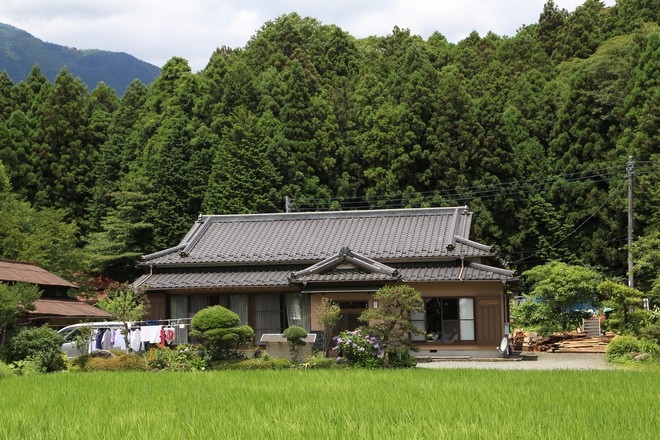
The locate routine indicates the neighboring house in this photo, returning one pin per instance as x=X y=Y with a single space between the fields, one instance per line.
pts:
x=273 y=270
x=55 y=307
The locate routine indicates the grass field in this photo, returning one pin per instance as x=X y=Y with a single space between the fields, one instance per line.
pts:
x=333 y=404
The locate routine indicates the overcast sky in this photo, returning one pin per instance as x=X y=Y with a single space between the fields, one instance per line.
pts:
x=157 y=30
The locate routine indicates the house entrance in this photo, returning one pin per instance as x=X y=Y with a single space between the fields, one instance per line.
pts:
x=349 y=313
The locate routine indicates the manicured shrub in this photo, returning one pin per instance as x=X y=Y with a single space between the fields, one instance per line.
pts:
x=622 y=348
x=296 y=336
x=358 y=349
x=217 y=331
x=41 y=345
x=214 y=317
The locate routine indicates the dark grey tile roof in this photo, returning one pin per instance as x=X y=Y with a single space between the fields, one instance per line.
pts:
x=382 y=235
x=219 y=278
x=228 y=277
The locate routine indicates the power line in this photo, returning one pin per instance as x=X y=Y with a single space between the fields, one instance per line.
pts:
x=501 y=189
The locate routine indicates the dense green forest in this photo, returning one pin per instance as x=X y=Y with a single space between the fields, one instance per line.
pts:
x=532 y=131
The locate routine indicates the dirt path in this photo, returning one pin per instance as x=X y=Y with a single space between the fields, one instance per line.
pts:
x=531 y=361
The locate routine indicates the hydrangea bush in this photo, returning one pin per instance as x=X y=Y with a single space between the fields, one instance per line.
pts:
x=358 y=349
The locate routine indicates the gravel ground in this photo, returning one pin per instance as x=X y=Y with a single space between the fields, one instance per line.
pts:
x=530 y=361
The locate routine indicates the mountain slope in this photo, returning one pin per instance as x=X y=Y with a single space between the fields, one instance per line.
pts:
x=20 y=51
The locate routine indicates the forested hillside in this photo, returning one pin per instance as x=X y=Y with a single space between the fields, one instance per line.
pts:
x=533 y=132
x=20 y=51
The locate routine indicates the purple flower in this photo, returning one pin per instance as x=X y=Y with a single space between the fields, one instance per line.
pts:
x=339 y=359
x=361 y=348
x=350 y=341
x=339 y=340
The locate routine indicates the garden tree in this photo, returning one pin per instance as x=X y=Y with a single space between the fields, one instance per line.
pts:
x=328 y=314
x=126 y=304
x=392 y=319
x=556 y=289
x=295 y=335
x=40 y=345
x=217 y=330
x=15 y=300
x=623 y=300
x=243 y=180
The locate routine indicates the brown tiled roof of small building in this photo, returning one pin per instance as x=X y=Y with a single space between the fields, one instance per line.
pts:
x=70 y=308
x=16 y=271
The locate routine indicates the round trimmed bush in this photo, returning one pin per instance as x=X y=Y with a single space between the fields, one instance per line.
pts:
x=216 y=329
x=622 y=347
x=295 y=335
x=214 y=317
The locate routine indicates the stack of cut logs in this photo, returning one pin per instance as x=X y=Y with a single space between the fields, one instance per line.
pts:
x=565 y=342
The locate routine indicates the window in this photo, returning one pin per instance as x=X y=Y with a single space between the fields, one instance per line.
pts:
x=449 y=320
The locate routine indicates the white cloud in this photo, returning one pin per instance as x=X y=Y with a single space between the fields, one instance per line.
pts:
x=156 y=30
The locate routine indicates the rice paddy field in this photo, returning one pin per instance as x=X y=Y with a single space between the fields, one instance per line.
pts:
x=332 y=404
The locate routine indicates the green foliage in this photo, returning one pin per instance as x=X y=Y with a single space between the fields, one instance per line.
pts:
x=531 y=131
x=214 y=317
x=623 y=348
x=15 y=300
x=81 y=339
x=556 y=289
x=125 y=304
x=328 y=314
x=5 y=370
x=295 y=335
x=318 y=362
x=181 y=358
x=41 y=345
x=217 y=331
x=120 y=362
x=391 y=321
x=626 y=304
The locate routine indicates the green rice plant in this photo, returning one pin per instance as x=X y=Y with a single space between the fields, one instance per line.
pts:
x=332 y=404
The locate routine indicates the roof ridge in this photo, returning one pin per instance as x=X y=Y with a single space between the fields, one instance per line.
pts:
x=488 y=268
x=472 y=243
x=333 y=214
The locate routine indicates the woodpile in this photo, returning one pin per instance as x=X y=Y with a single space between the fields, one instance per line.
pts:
x=564 y=342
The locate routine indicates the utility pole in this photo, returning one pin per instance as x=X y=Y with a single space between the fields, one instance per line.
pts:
x=630 y=171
